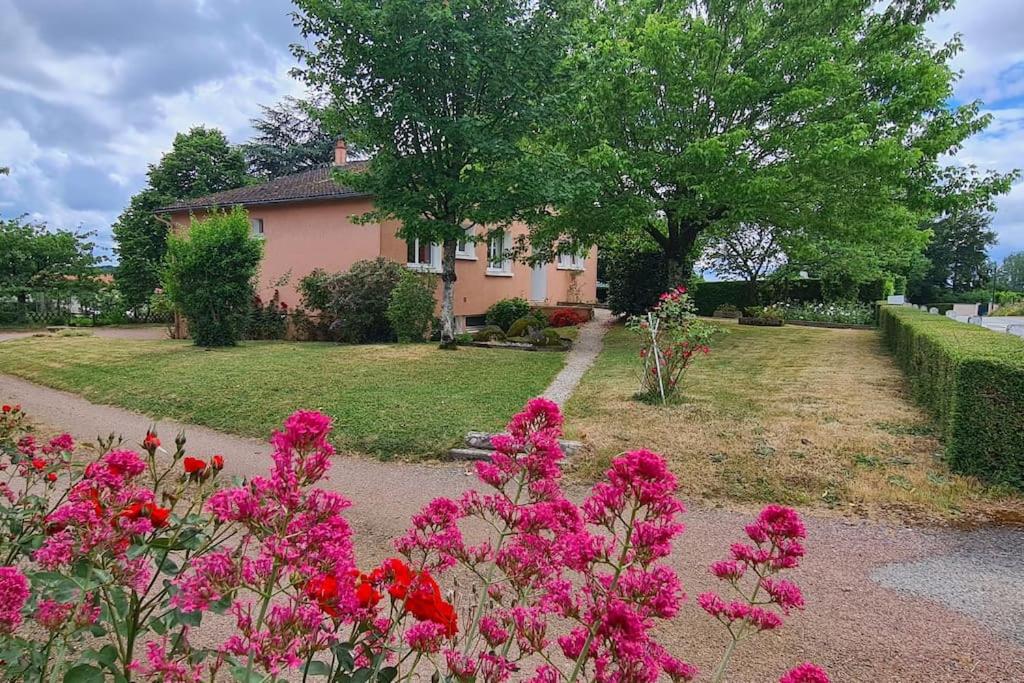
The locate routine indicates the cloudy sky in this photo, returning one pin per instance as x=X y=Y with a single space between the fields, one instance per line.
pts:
x=92 y=92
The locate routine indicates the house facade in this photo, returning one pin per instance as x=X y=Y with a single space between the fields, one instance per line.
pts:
x=307 y=221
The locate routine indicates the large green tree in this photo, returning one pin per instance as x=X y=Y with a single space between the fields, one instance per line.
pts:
x=289 y=138
x=823 y=118
x=200 y=162
x=35 y=258
x=958 y=252
x=1012 y=272
x=441 y=95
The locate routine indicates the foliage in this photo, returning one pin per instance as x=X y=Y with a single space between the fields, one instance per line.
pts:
x=200 y=162
x=749 y=254
x=690 y=119
x=411 y=307
x=773 y=313
x=972 y=380
x=506 y=311
x=353 y=306
x=635 y=279
x=727 y=311
x=1011 y=273
x=1012 y=309
x=441 y=97
x=977 y=296
x=489 y=333
x=289 y=138
x=671 y=337
x=567 y=317
x=710 y=296
x=209 y=276
x=846 y=312
x=958 y=253
x=267 y=320
x=277 y=554
x=534 y=321
x=36 y=258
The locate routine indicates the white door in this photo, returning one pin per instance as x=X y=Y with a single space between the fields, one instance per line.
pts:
x=539 y=282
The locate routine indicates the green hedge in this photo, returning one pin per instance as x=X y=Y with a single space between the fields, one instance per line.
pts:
x=708 y=296
x=972 y=380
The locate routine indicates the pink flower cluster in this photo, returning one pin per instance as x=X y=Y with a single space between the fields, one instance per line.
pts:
x=777 y=537
x=597 y=565
x=13 y=595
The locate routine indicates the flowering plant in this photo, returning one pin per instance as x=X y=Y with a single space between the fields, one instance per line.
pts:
x=845 y=312
x=135 y=555
x=671 y=336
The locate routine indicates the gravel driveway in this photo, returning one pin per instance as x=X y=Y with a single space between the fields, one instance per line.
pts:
x=884 y=603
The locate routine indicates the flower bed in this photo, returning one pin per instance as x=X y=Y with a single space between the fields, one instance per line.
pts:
x=761 y=322
x=842 y=312
x=135 y=554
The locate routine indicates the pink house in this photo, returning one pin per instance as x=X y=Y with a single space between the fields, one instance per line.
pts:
x=306 y=221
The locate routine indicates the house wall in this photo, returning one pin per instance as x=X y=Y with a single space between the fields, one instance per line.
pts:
x=476 y=289
x=302 y=236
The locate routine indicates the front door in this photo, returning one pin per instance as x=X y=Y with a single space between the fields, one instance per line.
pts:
x=539 y=283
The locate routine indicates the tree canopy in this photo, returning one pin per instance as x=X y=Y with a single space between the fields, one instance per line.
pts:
x=35 y=258
x=1012 y=272
x=826 y=119
x=441 y=95
x=289 y=138
x=200 y=162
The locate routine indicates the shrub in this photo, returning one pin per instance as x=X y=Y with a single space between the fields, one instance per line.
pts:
x=411 y=308
x=505 y=312
x=671 y=337
x=844 y=312
x=635 y=280
x=972 y=380
x=352 y=306
x=708 y=297
x=489 y=333
x=556 y=590
x=727 y=311
x=267 y=320
x=1009 y=309
x=567 y=317
x=209 y=276
x=769 y=314
x=520 y=327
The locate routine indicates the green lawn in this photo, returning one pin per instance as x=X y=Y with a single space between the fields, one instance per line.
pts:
x=790 y=414
x=401 y=400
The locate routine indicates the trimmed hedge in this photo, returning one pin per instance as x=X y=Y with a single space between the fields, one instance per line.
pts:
x=708 y=296
x=972 y=380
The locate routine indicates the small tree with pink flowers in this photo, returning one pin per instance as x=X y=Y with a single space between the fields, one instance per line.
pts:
x=671 y=338
x=136 y=555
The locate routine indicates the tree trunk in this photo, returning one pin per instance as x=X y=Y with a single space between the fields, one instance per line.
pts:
x=448 y=294
x=678 y=252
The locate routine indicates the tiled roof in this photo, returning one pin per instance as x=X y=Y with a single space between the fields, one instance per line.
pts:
x=315 y=183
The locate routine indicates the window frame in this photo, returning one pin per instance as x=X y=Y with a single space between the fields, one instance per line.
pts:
x=574 y=260
x=261 y=233
x=502 y=268
x=465 y=249
x=431 y=266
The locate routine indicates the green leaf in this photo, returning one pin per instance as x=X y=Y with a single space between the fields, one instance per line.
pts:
x=318 y=668
x=387 y=674
x=83 y=673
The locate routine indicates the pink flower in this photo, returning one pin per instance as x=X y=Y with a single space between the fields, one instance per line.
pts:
x=784 y=593
x=805 y=673
x=13 y=595
x=425 y=636
x=52 y=615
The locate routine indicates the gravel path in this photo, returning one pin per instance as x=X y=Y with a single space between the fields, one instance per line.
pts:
x=582 y=355
x=856 y=628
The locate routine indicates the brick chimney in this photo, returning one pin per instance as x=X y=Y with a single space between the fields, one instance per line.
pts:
x=340 y=152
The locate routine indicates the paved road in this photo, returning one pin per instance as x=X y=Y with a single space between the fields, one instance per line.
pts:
x=876 y=612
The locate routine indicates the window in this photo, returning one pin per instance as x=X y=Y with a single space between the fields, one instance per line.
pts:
x=466 y=248
x=257 y=227
x=571 y=261
x=498 y=245
x=422 y=255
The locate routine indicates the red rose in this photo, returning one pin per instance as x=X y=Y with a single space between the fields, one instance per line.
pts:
x=401 y=577
x=367 y=595
x=39 y=463
x=6 y=408
x=426 y=604
x=158 y=515
x=193 y=465
x=151 y=442
x=324 y=589
x=218 y=462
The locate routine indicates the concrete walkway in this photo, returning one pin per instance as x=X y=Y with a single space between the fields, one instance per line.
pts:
x=582 y=355
x=853 y=626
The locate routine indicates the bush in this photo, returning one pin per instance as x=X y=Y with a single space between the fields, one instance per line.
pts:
x=505 y=312
x=567 y=317
x=411 y=308
x=489 y=333
x=635 y=280
x=209 y=276
x=727 y=311
x=843 y=312
x=972 y=380
x=520 y=327
x=352 y=306
x=708 y=297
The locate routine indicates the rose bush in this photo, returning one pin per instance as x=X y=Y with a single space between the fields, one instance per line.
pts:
x=110 y=567
x=671 y=337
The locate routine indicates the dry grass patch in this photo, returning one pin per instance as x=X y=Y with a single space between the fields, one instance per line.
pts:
x=798 y=415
